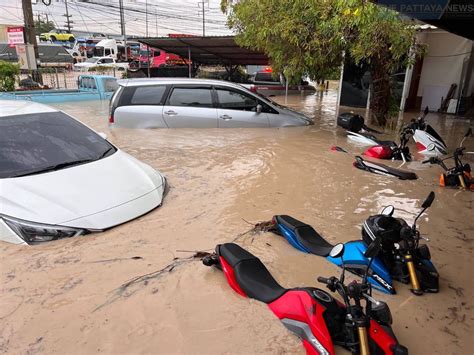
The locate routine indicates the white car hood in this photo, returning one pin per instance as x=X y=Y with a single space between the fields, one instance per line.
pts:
x=95 y=195
x=85 y=64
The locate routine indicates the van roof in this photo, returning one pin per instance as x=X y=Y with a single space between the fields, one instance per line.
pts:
x=165 y=81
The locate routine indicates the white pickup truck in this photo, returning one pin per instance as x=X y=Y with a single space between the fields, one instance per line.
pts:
x=100 y=62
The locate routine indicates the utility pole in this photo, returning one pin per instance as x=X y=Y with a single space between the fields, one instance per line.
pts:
x=30 y=35
x=156 y=23
x=122 y=28
x=68 y=21
x=201 y=5
x=146 y=35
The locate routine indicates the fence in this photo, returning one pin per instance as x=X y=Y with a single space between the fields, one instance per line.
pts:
x=58 y=78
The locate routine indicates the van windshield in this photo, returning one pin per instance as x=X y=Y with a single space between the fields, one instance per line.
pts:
x=41 y=142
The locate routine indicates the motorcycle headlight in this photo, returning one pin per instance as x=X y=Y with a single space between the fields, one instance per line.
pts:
x=381 y=313
x=33 y=233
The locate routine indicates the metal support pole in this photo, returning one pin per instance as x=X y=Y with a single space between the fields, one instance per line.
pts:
x=339 y=89
x=57 y=78
x=189 y=61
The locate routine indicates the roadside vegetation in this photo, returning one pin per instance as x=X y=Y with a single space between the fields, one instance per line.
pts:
x=43 y=27
x=8 y=74
x=311 y=38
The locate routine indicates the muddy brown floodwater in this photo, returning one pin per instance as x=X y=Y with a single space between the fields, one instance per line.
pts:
x=62 y=297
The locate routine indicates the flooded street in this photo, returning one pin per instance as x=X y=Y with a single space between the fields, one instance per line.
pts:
x=63 y=297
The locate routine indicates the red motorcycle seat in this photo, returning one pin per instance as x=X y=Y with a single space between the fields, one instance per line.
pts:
x=250 y=273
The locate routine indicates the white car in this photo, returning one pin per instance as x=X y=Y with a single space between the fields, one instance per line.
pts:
x=59 y=178
x=100 y=62
x=195 y=103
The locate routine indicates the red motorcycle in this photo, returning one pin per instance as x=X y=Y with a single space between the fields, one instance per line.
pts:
x=312 y=314
x=397 y=152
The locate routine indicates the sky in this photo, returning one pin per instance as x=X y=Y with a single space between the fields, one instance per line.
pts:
x=164 y=16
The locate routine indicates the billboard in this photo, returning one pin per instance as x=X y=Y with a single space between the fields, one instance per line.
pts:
x=15 y=36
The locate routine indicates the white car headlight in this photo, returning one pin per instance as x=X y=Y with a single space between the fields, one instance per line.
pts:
x=33 y=233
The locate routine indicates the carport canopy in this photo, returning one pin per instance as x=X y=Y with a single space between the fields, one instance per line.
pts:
x=208 y=50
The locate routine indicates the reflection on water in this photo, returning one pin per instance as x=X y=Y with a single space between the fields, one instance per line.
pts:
x=221 y=178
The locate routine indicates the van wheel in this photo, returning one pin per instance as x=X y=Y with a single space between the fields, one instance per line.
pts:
x=52 y=38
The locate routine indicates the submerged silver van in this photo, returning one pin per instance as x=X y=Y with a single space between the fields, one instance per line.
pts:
x=195 y=103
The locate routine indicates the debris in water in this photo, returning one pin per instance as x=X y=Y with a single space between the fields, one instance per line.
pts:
x=125 y=289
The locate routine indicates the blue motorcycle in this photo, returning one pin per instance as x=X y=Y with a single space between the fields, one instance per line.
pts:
x=401 y=257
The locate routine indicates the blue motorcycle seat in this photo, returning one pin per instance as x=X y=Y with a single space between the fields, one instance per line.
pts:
x=306 y=235
x=250 y=273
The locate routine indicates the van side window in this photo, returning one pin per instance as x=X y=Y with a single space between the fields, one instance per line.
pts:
x=233 y=100
x=107 y=51
x=156 y=53
x=191 y=97
x=148 y=95
x=264 y=76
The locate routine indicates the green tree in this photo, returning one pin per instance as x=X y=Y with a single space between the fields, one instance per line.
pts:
x=8 y=74
x=310 y=37
x=43 y=26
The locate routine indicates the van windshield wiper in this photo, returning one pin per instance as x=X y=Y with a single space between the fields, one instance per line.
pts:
x=54 y=167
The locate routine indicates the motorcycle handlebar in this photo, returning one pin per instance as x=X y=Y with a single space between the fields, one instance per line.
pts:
x=426 y=161
x=323 y=280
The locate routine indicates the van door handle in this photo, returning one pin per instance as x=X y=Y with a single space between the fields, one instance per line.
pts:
x=226 y=117
x=171 y=113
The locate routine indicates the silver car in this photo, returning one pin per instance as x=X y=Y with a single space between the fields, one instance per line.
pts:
x=195 y=103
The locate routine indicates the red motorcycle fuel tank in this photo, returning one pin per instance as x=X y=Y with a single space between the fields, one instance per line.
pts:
x=379 y=152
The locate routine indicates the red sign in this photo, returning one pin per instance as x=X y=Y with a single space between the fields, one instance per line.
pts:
x=15 y=36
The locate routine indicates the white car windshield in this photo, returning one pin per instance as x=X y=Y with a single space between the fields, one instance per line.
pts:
x=48 y=141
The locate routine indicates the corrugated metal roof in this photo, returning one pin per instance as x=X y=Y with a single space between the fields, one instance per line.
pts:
x=208 y=50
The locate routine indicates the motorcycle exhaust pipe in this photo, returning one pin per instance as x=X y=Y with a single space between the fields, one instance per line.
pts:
x=415 y=283
x=363 y=341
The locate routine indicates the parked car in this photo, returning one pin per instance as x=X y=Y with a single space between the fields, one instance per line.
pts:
x=265 y=82
x=100 y=62
x=196 y=103
x=60 y=179
x=57 y=35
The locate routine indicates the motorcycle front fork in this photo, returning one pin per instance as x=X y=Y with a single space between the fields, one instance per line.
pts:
x=363 y=340
x=415 y=283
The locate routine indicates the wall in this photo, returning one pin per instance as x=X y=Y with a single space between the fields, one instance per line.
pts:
x=440 y=67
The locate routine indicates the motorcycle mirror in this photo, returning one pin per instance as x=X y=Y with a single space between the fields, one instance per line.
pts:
x=337 y=251
x=425 y=112
x=429 y=200
x=468 y=133
x=388 y=210
x=373 y=248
